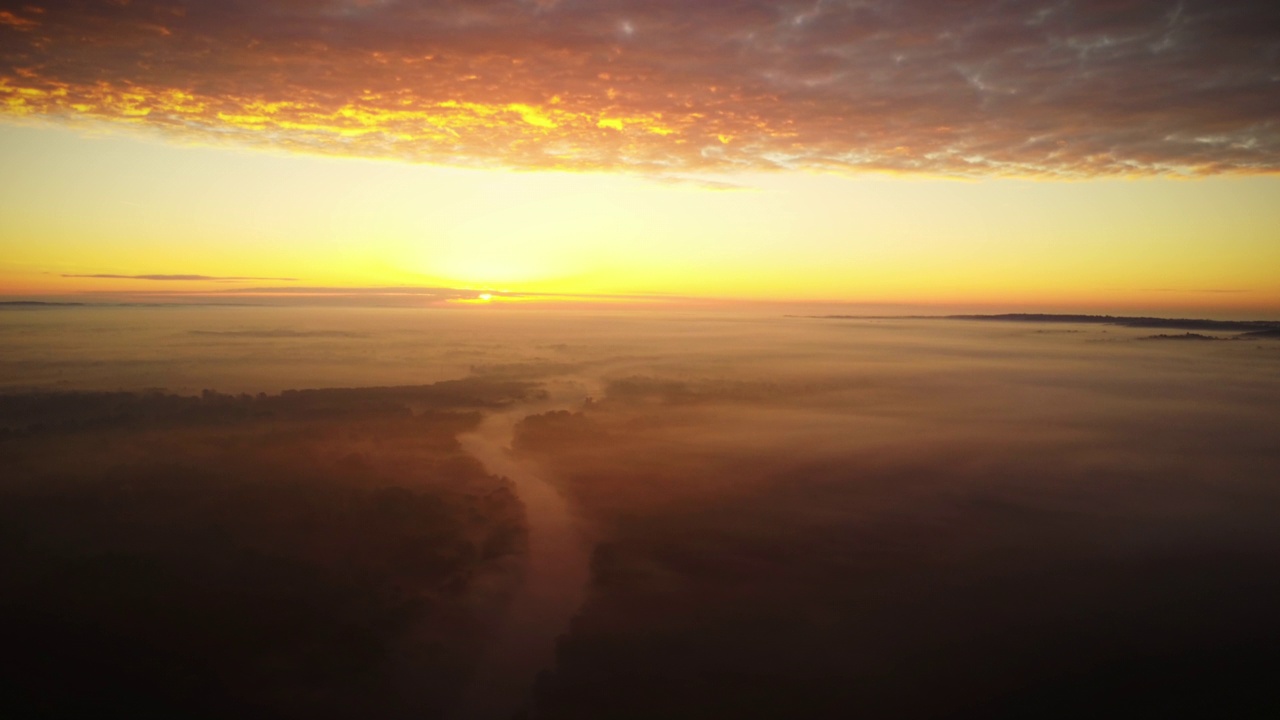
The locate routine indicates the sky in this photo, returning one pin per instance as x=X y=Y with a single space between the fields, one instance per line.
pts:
x=1110 y=155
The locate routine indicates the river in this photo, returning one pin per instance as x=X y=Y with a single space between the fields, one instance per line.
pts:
x=554 y=584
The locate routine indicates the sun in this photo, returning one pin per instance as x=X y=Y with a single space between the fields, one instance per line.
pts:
x=486 y=297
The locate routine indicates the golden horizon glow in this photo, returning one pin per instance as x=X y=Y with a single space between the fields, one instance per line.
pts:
x=441 y=153
x=144 y=207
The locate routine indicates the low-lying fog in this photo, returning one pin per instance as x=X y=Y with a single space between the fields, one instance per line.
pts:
x=769 y=517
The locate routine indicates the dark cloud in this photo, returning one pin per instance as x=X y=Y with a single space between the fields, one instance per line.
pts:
x=981 y=87
x=216 y=278
x=281 y=334
x=441 y=292
x=337 y=294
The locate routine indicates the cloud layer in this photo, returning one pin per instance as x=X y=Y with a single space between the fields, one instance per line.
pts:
x=978 y=87
x=215 y=278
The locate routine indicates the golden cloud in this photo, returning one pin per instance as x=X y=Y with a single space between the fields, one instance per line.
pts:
x=1105 y=87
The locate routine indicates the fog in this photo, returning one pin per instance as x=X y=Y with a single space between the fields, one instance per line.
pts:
x=643 y=514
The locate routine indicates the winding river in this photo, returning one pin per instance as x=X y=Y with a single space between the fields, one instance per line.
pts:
x=554 y=585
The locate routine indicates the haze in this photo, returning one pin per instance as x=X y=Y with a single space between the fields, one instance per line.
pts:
x=698 y=515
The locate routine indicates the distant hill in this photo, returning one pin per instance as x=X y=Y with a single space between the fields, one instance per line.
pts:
x=1247 y=329
x=1264 y=326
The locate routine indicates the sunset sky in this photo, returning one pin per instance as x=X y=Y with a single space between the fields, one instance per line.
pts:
x=1105 y=155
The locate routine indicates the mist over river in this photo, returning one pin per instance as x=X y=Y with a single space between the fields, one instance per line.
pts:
x=487 y=512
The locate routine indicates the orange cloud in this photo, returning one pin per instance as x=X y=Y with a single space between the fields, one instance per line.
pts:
x=18 y=23
x=1102 y=87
